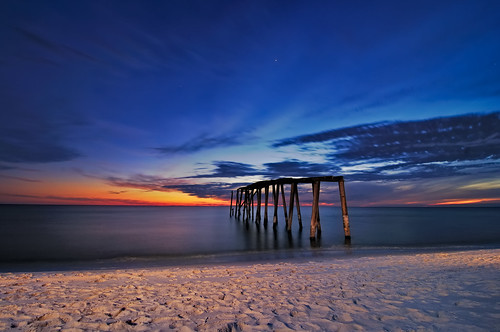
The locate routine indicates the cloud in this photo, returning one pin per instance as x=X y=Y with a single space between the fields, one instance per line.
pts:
x=299 y=168
x=158 y=183
x=228 y=169
x=426 y=148
x=36 y=129
x=201 y=142
x=289 y=167
x=117 y=192
x=208 y=190
x=35 y=152
x=60 y=49
x=5 y=167
x=33 y=140
x=81 y=200
x=143 y=182
x=19 y=178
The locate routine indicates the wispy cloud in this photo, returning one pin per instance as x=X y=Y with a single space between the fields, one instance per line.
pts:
x=34 y=143
x=158 y=183
x=298 y=168
x=35 y=131
x=207 y=190
x=288 y=167
x=228 y=169
x=19 y=178
x=202 y=142
x=59 y=49
x=82 y=200
x=427 y=148
x=143 y=182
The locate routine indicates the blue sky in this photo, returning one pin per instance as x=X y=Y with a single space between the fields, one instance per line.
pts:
x=137 y=102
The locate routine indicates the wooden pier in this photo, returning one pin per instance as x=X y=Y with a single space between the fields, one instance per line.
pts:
x=244 y=202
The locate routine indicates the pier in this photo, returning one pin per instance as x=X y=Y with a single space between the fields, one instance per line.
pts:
x=245 y=199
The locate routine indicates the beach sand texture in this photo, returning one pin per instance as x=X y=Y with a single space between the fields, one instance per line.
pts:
x=453 y=291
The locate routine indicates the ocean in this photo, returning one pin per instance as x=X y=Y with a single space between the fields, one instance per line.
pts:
x=38 y=237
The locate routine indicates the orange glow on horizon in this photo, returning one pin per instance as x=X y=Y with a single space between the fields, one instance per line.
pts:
x=467 y=201
x=94 y=192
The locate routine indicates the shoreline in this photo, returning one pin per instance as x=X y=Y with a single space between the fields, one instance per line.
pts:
x=229 y=258
x=450 y=290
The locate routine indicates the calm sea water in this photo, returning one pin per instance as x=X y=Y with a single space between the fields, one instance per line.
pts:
x=113 y=237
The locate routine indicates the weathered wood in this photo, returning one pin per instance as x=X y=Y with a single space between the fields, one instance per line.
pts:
x=315 y=211
x=345 y=217
x=236 y=204
x=266 y=192
x=245 y=206
x=249 y=212
x=275 y=199
x=244 y=203
x=290 y=211
x=299 y=215
x=284 y=202
x=240 y=198
x=257 y=216
x=245 y=200
x=252 y=194
x=231 y=205
x=262 y=184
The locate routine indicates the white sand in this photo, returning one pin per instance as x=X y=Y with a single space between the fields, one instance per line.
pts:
x=457 y=291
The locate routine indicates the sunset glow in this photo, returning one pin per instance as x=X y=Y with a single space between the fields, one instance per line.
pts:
x=468 y=201
x=178 y=103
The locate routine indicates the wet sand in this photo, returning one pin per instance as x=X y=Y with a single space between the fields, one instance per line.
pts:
x=452 y=291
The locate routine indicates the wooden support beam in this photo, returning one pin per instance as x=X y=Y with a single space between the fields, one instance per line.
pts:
x=315 y=210
x=252 y=194
x=243 y=203
x=248 y=205
x=345 y=217
x=299 y=215
x=284 y=202
x=245 y=199
x=275 y=199
x=237 y=202
x=290 y=211
x=257 y=215
x=231 y=205
x=266 y=193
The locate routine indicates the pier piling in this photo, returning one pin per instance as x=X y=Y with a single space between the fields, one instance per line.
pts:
x=266 y=193
x=231 y=206
x=245 y=200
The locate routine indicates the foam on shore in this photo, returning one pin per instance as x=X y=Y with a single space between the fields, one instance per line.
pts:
x=432 y=291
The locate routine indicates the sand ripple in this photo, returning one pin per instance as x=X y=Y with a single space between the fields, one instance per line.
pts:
x=456 y=291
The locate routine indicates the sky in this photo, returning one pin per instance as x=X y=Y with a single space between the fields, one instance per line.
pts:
x=180 y=102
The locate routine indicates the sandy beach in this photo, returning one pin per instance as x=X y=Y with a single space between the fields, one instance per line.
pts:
x=452 y=291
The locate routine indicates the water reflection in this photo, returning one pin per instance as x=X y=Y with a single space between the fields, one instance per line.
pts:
x=65 y=232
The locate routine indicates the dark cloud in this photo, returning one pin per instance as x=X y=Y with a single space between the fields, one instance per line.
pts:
x=228 y=169
x=208 y=190
x=60 y=49
x=426 y=148
x=33 y=139
x=41 y=151
x=4 y=167
x=469 y=137
x=202 y=142
x=84 y=200
x=117 y=192
x=157 y=183
x=142 y=182
x=298 y=168
x=19 y=178
x=291 y=167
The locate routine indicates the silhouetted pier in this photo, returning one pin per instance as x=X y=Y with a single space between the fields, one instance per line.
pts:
x=244 y=203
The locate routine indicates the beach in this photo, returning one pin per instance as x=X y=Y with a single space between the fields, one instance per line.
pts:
x=450 y=291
